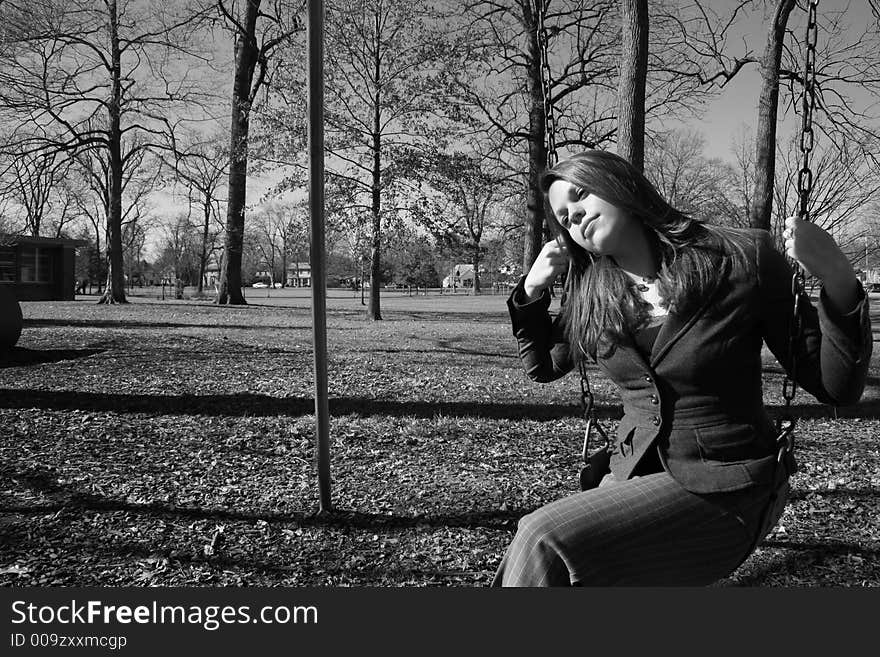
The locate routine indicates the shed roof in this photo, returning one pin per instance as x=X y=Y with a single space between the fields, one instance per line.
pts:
x=14 y=240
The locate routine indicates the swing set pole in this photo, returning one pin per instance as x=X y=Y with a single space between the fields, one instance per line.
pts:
x=318 y=256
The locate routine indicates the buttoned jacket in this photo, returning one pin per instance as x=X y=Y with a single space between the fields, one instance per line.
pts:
x=698 y=397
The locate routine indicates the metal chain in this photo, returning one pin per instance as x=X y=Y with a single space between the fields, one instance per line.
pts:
x=805 y=187
x=540 y=8
x=591 y=422
x=552 y=157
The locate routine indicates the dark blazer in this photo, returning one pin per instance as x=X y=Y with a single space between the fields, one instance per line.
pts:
x=699 y=396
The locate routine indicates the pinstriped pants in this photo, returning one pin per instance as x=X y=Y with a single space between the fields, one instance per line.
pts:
x=646 y=531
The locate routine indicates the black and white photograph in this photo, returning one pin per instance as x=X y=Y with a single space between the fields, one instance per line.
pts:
x=458 y=294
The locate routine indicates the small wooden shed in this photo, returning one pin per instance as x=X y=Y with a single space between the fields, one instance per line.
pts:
x=38 y=268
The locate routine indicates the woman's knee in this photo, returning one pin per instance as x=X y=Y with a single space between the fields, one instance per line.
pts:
x=536 y=556
x=534 y=525
x=540 y=530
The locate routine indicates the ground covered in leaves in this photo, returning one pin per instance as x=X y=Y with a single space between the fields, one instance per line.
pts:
x=171 y=443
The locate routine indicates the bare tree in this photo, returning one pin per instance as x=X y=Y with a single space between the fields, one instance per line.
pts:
x=356 y=242
x=179 y=249
x=134 y=240
x=140 y=176
x=259 y=28
x=847 y=61
x=460 y=205
x=847 y=58
x=705 y=188
x=202 y=167
x=743 y=146
x=845 y=185
x=103 y=78
x=380 y=100
x=34 y=183
x=280 y=231
x=500 y=81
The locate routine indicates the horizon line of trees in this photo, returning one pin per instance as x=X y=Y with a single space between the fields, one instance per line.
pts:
x=436 y=124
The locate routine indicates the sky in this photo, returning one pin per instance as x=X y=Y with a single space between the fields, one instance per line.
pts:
x=736 y=106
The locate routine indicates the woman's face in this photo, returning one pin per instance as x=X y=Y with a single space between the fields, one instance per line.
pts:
x=594 y=224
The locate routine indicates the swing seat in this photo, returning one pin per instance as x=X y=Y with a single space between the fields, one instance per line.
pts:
x=598 y=464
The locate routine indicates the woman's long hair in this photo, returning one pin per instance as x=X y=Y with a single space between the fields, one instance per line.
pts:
x=602 y=305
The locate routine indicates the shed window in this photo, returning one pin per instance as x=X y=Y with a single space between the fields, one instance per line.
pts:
x=36 y=265
x=7 y=264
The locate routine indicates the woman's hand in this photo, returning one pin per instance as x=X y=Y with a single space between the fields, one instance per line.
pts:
x=551 y=261
x=819 y=255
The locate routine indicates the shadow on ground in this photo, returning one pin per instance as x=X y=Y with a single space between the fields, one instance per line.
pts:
x=19 y=356
x=65 y=497
x=252 y=404
x=132 y=324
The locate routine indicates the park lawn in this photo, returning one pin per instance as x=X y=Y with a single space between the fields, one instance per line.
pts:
x=171 y=443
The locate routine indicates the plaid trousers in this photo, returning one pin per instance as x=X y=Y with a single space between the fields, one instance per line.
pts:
x=646 y=531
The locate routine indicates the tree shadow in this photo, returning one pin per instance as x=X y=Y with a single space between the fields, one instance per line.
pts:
x=867 y=410
x=778 y=371
x=20 y=356
x=65 y=497
x=439 y=350
x=478 y=316
x=253 y=404
x=132 y=324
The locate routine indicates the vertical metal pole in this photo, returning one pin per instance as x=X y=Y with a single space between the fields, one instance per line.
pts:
x=318 y=257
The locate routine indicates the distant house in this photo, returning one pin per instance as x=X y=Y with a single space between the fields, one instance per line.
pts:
x=39 y=268
x=299 y=274
x=461 y=276
x=212 y=270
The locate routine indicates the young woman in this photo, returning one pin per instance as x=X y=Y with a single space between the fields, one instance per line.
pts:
x=675 y=312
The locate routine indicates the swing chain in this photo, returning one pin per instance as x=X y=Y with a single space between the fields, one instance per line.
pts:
x=587 y=402
x=805 y=175
x=786 y=425
x=552 y=157
x=540 y=9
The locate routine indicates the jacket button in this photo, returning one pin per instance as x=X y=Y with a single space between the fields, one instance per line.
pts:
x=654 y=399
x=656 y=420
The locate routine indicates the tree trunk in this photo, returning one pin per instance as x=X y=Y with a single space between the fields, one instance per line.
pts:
x=284 y=263
x=246 y=51
x=534 y=233
x=97 y=258
x=373 y=310
x=631 y=89
x=768 y=104
x=476 y=262
x=115 y=290
x=203 y=256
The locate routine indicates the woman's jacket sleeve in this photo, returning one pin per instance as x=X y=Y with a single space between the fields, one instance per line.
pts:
x=543 y=348
x=831 y=359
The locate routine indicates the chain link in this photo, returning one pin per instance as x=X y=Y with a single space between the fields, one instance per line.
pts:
x=805 y=188
x=586 y=393
x=552 y=157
